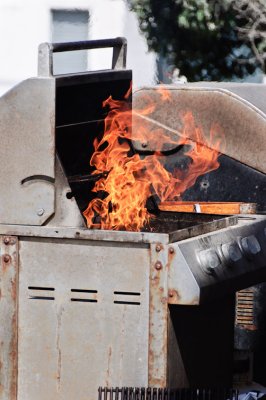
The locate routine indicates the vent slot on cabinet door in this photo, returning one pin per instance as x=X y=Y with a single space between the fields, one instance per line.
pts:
x=84 y=295
x=40 y=293
x=129 y=298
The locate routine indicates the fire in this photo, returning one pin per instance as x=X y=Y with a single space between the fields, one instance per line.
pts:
x=128 y=179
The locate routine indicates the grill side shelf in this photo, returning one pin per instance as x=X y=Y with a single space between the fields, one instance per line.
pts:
x=203 y=228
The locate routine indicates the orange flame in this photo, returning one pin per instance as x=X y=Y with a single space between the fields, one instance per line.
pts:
x=129 y=179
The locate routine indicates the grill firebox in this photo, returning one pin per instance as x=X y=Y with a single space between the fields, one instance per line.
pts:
x=81 y=308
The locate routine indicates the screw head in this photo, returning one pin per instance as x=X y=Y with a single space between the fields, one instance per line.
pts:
x=158 y=265
x=171 y=250
x=6 y=258
x=40 y=212
x=158 y=248
x=6 y=240
x=171 y=293
x=144 y=145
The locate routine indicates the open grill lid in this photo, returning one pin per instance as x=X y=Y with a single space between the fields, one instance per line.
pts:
x=243 y=122
x=239 y=110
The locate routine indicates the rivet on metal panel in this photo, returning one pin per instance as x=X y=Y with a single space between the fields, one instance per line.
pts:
x=6 y=258
x=40 y=212
x=158 y=265
x=158 y=247
x=8 y=320
x=6 y=240
x=157 y=356
x=144 y=144
x=171 y=250
x=173 y=296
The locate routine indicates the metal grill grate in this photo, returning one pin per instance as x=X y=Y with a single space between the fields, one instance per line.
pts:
x=245 y=308
x=127 y=393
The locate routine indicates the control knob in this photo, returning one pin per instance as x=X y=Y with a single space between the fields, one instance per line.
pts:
x=250 y=246
x=231 y=252
x=209 y=260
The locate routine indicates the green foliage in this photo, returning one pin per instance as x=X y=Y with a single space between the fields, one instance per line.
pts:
x=199 y=37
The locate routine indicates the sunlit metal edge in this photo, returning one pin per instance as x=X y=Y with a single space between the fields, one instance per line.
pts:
x=203 y=228
x=84 y=234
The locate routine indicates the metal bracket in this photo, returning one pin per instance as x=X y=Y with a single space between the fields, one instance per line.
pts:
x=8 y=317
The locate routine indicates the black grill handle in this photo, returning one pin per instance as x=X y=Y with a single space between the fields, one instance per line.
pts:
x=46 y=50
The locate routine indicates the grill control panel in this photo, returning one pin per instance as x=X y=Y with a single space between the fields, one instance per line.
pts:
x=228 y=258
x=250 y=246
x=209 y=260
x=231 y=252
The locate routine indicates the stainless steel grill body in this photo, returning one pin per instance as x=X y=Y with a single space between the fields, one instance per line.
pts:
x=85 y=308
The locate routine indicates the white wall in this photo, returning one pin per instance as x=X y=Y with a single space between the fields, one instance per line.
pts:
x=25 y=24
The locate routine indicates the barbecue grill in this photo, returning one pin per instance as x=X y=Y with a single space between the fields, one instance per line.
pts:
x=83 y=308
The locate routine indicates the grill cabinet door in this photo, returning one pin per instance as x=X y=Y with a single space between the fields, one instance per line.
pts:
x=83 y=317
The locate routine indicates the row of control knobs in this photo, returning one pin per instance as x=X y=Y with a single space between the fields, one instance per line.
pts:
x=229 y=253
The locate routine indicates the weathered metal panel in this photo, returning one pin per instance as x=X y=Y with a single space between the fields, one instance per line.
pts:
x=67 y=212
x=240 y=121
x=84 y=234
x=158 y=316
x=8 y=317
x=27 y=120
x=254 y=93
x=182 y=285
x=84 y=317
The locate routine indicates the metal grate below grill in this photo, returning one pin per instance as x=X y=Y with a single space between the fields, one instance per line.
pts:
x=129 y=393
x=245 y=309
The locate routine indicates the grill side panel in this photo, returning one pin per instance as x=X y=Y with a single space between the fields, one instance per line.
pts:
x=27 y=153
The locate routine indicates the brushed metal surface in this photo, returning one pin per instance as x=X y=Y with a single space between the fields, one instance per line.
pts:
x=27 y=120
x=67 y=212
x=100 y=337
x=84 y=234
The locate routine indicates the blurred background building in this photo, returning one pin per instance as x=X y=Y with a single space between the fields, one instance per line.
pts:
x=168 y=41
x=25 y=24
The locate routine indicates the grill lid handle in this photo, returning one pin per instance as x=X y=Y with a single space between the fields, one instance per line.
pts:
x=46 y=50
